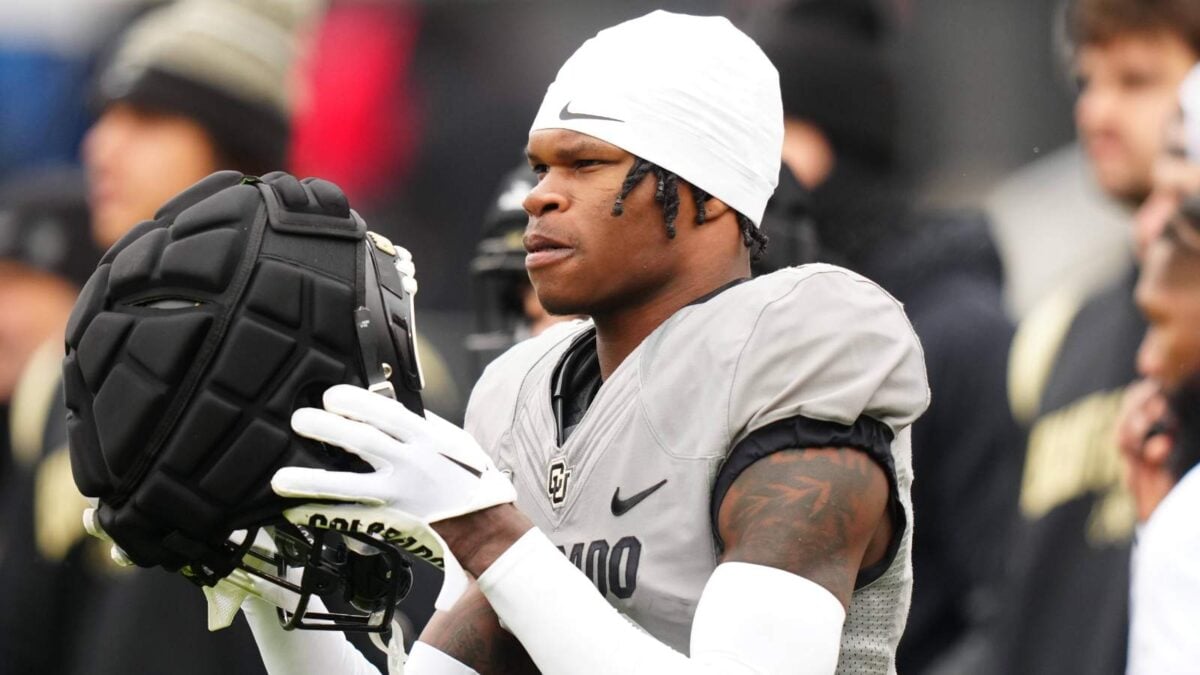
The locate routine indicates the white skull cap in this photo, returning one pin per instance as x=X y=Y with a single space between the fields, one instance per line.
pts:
x=1189 y=102
x=691 y=94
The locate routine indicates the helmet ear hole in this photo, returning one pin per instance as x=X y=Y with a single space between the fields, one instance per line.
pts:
x=167 y=303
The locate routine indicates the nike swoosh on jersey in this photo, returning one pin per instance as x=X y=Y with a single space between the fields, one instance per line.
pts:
x=621 y=506
x=566 y=114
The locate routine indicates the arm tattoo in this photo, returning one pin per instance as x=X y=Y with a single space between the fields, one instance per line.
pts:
x=471 y=633
x=811 y=512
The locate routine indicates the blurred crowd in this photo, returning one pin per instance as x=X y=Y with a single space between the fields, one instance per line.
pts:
x=1050 y=265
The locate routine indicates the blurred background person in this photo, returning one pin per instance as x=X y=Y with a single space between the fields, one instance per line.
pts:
x=47 y=55
x=1166 y=352
x=192 y=87
x=840 y=105
x=1159 y=430
x=1058 y=227
x=1057 y=230
x=1148 y=425
x=45 y=254
x=1066 y=606
x=1161 y=461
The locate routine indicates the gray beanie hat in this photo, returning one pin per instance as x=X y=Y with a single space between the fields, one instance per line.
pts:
x=224 y=63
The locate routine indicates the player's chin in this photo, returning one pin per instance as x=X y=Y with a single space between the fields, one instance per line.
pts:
x=1121 y=180
x=560 y=299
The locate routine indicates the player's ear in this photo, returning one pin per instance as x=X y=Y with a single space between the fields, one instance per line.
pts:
x=715 y=208
x=1157 y=450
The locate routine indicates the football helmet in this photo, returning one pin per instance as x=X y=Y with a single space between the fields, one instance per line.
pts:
x=187 y=351
x=498 y=271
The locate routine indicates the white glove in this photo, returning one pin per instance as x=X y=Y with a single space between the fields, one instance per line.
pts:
x=425 y=467
x=426 y=470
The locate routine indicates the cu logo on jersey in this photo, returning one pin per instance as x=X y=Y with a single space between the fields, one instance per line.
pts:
x=557 y=477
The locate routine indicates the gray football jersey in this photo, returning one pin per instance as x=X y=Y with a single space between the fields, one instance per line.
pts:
x=628 y=497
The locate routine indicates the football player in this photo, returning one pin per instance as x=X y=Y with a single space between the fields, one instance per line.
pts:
x=712 y=473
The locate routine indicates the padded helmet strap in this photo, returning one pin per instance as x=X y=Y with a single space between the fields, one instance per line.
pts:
x=386 y=326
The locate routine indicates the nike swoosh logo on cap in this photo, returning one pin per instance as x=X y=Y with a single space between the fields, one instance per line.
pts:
x=566 y=115
x=621 y=506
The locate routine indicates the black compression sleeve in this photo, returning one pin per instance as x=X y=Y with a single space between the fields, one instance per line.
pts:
x=866 y=434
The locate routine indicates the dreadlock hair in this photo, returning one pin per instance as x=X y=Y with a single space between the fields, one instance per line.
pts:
x=666 y=193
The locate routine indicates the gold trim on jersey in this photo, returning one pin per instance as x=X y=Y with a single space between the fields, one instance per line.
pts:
x=58 y=517
x=32 y=401
x=1073 y=452
x=57 y=506
x=1035 y=349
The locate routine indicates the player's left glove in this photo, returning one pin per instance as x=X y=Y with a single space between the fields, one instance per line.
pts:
x=426 y=470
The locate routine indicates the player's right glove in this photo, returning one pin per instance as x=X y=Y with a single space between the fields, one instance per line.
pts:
x=425 y=470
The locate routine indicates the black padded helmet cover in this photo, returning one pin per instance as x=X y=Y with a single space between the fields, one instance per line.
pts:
x=195 y=339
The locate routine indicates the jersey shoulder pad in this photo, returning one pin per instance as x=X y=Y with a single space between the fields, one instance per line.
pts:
x=493 y=401
x=817 y=341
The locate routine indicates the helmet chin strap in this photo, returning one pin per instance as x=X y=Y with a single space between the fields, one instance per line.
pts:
x=387 y=321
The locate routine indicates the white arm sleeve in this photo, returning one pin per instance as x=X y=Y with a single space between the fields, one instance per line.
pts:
x=751 y=619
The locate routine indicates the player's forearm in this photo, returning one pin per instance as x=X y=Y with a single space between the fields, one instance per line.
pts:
x=471 y=634
x=751 y=620
x=478 y=539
